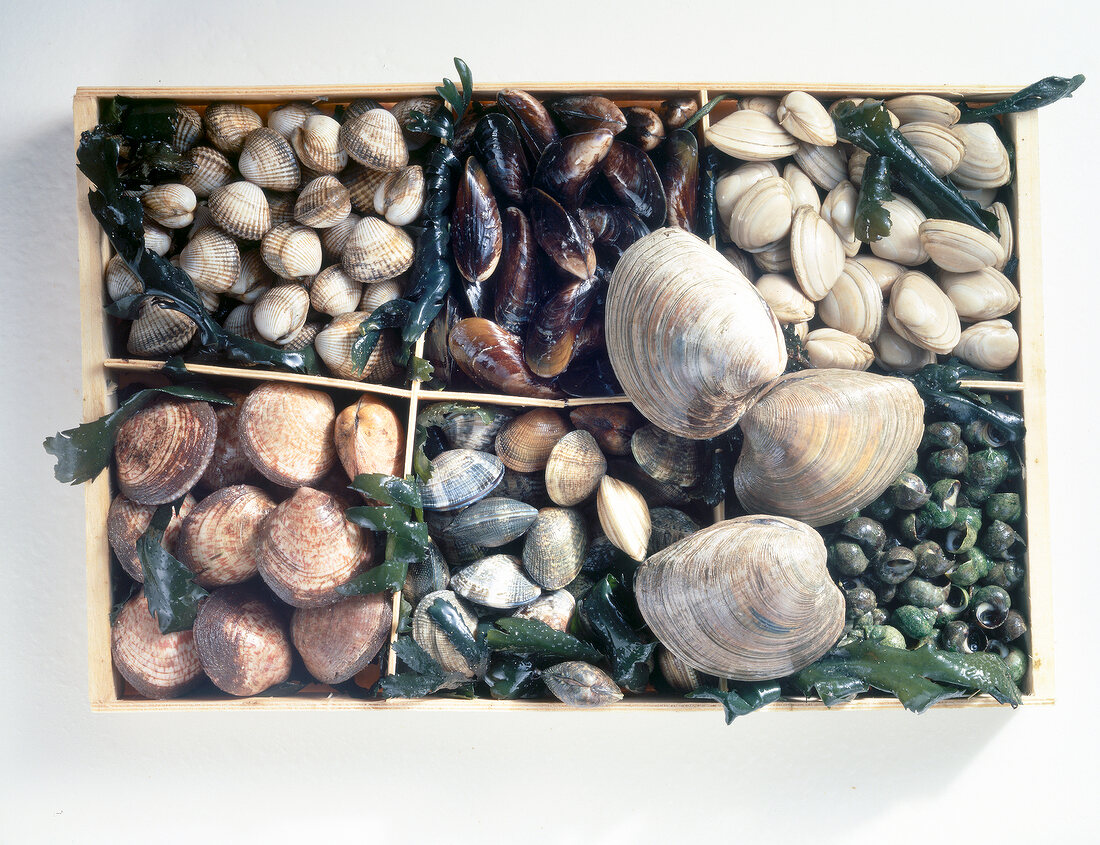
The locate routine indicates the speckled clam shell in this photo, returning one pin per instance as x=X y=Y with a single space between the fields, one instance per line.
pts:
x=525 y=443
x=751 y=135
x=676 y=672
x=611 y=425
x=989 y=345
x=554 y=609
x=554 y=550
x=455 y=552
x=317 y=145
x=281 y=312
x=674 y=308
x=803 y=116
x=914 y=108
x=253 y=279
x=476 y=429
x=307 y=549
x=903 y=244
x=212 y=260
x=923 y=314
x=574 y=468
x=426 y=576
x=839 y=211
x=291 y=251
x=286 y=118
x=121 y=281
x=369 y=437
x=833 y=349
x=159 y=331
x=210 y=170
x=374 y=139
x=624 y=516
x=985 y=162
x=362 y=184
x=229 y=464
x=826 y=166
x=218 y=539
x=817 y=254
x=460 y=477
x=127 y=521
x=668 y=526
x=172 y=205
x=156 y=665
x=935 y=144
x=334 y=345
x=854 y=303
x=497 y=581
x=763 y=214
x=268 y=160
x=785 y=298
x=286 y=431
x=430 y=637
x=748 y=598
x=241 y=209
x=242 y=641
x=163 y=449
x=959 y=248
x=732 y=186
x=340 y=640
x=580 y=684
x=893 y=352
x=376 y=250
x=666 y=457
x=491 y=522
x=822 y=443
x=228 y=124
x=324 y=202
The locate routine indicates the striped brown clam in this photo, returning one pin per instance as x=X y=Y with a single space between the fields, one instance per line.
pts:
x=210 y=170
x=317 y=145
x=334 y=292
x=376 y=250
x=218 y=538
x=334 y=345
x=307 y=548
x=323 y=202
x=159 y=330
x=291 y=251
x=286 y=118
x=497 y=581
x=525 y=443
x=460 y=477
x=241 y=209
x=268 y=160
x=690 y=339
x=749 y=598
x=279 y=314
x=156 y=665
x=822 y=443
x=341 y=639
x=491 y=522
x=171 y=205
x=554 y=549
x=228 y=124
x=581 y=684
x=212 y=260
x=286 y=431
x=127 y=521
x=666 y=457
x=369 y=437
x=432 y=638
x=374 y=139
x=574 y=468
x=163 y=450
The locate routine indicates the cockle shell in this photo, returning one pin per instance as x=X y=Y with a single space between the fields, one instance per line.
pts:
x=821 y=443
x=210 y=170
x=307 y=548
x=854 y=303
x=525 y=443
x=574 y=468
x=806 y=119
x=403 y=111
x=317 y=144
x=374 y=139
x=405 y=195
x=935 y=144
x=923 y=314
x=666 y=457
x=334 y=344
x=376 y=250
x=826 y=166
x=839 y=211
x=893 y=352
x=280 y=313
x=239 y=321
x=763 y=214
x=460 y=477
x=913 y=108
x=379 y=293
x=491 y=522
x=817 y=253
x=333 y=238
x=431 y=637
x=829 y=348
x=554 y=549
x=624 y=516
x=241 y=209
x=228 y=124
x=959 y=248
x=989 y=345
x=362 y=184
x=281 y=206
x=172 y=205
x=156 y=665
x=242 y=641
x=903 y=243
x=554 y=609
x=674 y=307
x=286 y=118
x=749 y=598
x=286 y=431
x=497 y=581
x=751 y=135
x=369 y=438
x=581 y=684
x=127 y=521
x=186 y=128
x=304 y=337
x=218 y=538
x=341 y=639
x=253 y=278
x=981 y=295
x=268 y=160
x=212 y=260
x=323 y=202
x=159 y=331
x=985 y=162
x=121 y=281
x=291 y=251
x=334 y=292
x=163 y=449
x=730 y=187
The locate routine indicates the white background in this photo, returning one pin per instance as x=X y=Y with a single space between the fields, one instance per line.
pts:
x=69 y=775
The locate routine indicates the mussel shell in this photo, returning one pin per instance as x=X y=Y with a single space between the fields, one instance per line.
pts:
x=286 y=431
x=644 y=128
x=340 y=640
x=493 y=358
x=590 y=378
x=634 y=180
x=675 y=112
x=517 y=275
x=162 y=450
x=525 y=443
x=568 y=167
x=586 y=112
x=459 y=478
x=555 y=547
x=436 y=348
x=561 y=235
x=551 y=334
x=156 y=665
x=497 y=581
x=531 y=118
x=218 y=538
x=498 y=146
x=476 y=230
x=491 y=522
x=680 y=178
x=242 y=641
x=612 y=226
x=611 y=425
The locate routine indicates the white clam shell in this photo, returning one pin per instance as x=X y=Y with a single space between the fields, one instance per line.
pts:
x=286 y=118
x=335 y=292
x=817 y=253
x=785 y=298
x=241 y=209
x=980 y=295
x=730 y=187
x=936 y=145
x=803 y=190
x=806 y=119
x=280 y=313
x=893 y=352
x=751 y=135
x=826 y=166
x=958 y=247
x=291 y=251
x=317 y=144
x=212 y=260
x=903 y=244
x=885 y=272
x=829 y=349
x=854 y=303
x=624 y=516
x=989 y=345
x=925 y=108
x=923 y=314
x=839 y=211
x=172 y=205
x=763 y=214
x=1004 y=221
x=985 y=162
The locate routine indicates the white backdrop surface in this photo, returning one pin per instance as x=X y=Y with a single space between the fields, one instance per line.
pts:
x=67 y=774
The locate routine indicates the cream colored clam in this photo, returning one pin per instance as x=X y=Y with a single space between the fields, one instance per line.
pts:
x=785 y=298
x=374 y=139
x=958 y=247
x=210 y=170
x=317 y=145
x=903 y=243
x=253 y=278
x=763 y=214
x=893 y=352
x=751 y=135
x=730 y=187
x=826 y=166
x=1004 y=224
x=885 y=272
x=803 y=190
x=856 y=164
x=740 y=260
x=764 y=105
x=281 y=312
x=624 y=516
x=924 y=108
x=981 y=295
x=239 y=322
x=775 y=258
x=323 y=202
x=268 y=160
x=377 y=293
x=376 y=250
x=286 y=118
x=212 y=260
x=172 y=205
x=241 y=209
x=217 y=540
x=335 y=292
x=839 y=211
x=806 y=119
x=829 y=348
x=291 y=251
x=854 y=303
x=817 y=253
x=985 y=162
x=989 y=345
x=333 y=238
x=334 y=345
x=923 y=314
x=574 y=469
x=936 y=145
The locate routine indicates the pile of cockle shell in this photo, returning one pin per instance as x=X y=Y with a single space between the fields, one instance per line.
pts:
x=931 y=287
x=264 y=487
x=299 y=221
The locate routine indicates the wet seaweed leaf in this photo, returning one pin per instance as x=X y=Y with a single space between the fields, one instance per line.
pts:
x=424 y=677
x=393 y=520
x=170 y=588
x=615 y=637
x=705 y=110
x=739 y=699
x=515 y=635
x=473 y=649
x=944 y=397
x=1048 y=90
x=388 y=489
x=872 y=218
x=512 y=677
x=388 y=315
x=83 y=452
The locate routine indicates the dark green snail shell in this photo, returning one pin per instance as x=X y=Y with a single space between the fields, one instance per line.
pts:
x=909 y=492
x=931 y=560
x=955 y=604
x=971 y=570
x=1003 y=506
x=867 y=532
x=922 y=593
x=987 y=468
x=947 y=463
x=1013 y=627
x=941 y=435
x=1008 y=574
x=847 y=559
x=915 y=622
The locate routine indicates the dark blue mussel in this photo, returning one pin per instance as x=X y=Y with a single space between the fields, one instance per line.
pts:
x=680 y=178
x=568 y=166
x=476 y=234
x=634 y=181
x=612 y=227
x=585 y=112
x=561 y=235
x=531 y=118
x=553 y=332
x=499 y=148
x=517 y=275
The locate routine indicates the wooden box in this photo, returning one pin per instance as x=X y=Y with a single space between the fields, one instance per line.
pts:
x=100 y=370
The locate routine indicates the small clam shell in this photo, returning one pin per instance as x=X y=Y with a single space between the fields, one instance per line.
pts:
x=317 y=144
x=460 y=477
x=581 y=684
x=454 y=552
x=981 y=295
x=903 y=244
x=655 y=493
x=763 y=213
x=857 y=163
x=924 y=108
x=324 y=202
x=669 y=526
x=826 y=166
x=491 y=522
x=936 y=145
x=374 y=139
x=121 y=280
x=430 y=636
x=885 y=272
x=241 y=209
x=959 y=248
x=426 y=576
x=611 y=425
x=839 y=211
x=369 y=438
x=678 y=674
x=764 y=105
x=803 y=190
x=156 y=665
x=253 y=278
x=307 y=548
x=574 y=469
x=210 y=170
x=239 y=321
x=751 y=136
x=281 y=206
x=376 y=250
x=291 y=251
x=555 y=547
x=525 y=443
x=775 y=258
x=923 y=314
x=666 y=457
x=157 y=238
x=378 y=293
x=333 y=238
x=159 y=331
x=362 y=184
x=554 y=609
x=212 y=260
x=218 y=538
x=280 y=313
x=817 y=253
x=732 y=186
x=304 y=337
x=172 y=205
x=340 y=640
x=854 y=303
x=127 y=521
x=806 y=119
x=286 y=118
x=497 y=581
x=785 y=298
x=475 y=429
x=893 y=352
x=163 y=450
x=361 y=105
x=1004 y=221
x=286 y=431
x=832 y=349
x=403 y=110
x=242 y=641
x=985 y=162
x=989 y=345
x=186 y=129
x=268 y=160
x=335 y=292
x=334 y=344
x=624 y=516
x=228 y=124
x=405 y=195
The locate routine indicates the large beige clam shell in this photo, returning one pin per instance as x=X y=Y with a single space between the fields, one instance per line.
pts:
x=689 y=337
x=981 y=295
x=242 y=641
x=156 y=665
x=369 y=437
x=854 y=303
x=749 y=598
x=985 y=162
x=903 y=244
x=959 y=248
x=218 y=538
x=340 y=640
x=989 y=345
x=803 y=190
x=935 y=144
x=832 y=349
x=376 y=250
x=893 y=352
x=750 y=135
x=286 y=431
x=822 y=443
x=806 y=119
x=163 y=449
x=817 y=253
x=127 y=521
x=923 y=314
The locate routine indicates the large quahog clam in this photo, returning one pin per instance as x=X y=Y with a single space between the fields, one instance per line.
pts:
x=822 y=443
x=749 y=598
x=690 y=339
